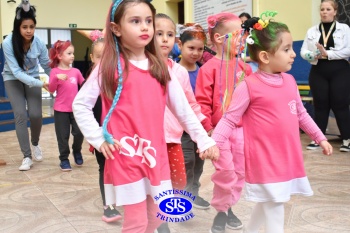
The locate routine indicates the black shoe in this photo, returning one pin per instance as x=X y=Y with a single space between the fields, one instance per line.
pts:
x=78 y=158
x=200 y=203
x=65 y=165
x=345 y=147
x=111 y=214
x=163 y=228
x=313 y=146
x=219 y=223
x=232 y=221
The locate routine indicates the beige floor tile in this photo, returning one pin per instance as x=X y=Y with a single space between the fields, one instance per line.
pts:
x=46 y=199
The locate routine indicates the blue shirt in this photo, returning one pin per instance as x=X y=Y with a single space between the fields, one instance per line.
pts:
x=36 y=54
x=193 y=78
x=175 y=53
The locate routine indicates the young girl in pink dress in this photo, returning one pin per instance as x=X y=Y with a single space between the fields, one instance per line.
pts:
x=272 y=112
x=135 y=86
x=191 y=43
x=65 y=80
x=165 y=31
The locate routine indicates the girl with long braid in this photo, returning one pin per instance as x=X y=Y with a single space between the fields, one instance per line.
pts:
x=134 y=97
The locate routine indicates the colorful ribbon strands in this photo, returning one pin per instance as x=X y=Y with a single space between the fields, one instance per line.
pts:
x=236 y=43
x=233 y=41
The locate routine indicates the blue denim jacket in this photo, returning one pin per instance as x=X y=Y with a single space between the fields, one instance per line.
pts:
x=37 y=54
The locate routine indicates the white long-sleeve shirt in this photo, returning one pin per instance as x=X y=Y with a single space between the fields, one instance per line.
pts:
x=176 y=102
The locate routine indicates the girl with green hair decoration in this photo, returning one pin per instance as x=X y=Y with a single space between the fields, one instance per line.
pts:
x=269 y=104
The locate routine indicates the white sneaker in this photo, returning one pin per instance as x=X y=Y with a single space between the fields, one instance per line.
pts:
x=37 y=153
x=26 y=164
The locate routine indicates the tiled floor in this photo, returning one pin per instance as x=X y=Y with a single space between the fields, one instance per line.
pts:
x=45 y=200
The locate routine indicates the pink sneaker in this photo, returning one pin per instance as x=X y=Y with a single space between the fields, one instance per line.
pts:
x=111 y=215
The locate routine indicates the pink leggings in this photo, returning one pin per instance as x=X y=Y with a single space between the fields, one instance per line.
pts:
x=229 y=174
x=141 y=217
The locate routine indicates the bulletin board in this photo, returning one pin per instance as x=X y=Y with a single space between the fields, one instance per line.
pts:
x=203 y=8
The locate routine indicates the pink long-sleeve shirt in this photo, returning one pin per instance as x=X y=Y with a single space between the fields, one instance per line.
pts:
x=172 y=128
x=240 y=103
x=211 y=85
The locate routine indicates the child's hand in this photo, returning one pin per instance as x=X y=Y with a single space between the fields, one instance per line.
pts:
x=210 y=132
x=327 y=148
x=62 y=77
x=108 y=149
x=210 y=153
x=46 y=86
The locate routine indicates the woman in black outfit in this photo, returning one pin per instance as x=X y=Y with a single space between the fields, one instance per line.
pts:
x=327 y=47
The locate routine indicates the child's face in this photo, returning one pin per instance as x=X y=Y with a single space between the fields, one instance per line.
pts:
x=283 y=58
x=97 y=53
x=191 y=50
x=67 y=56
x=135 y=29
x=232 y=26
x=243 y=19
x=165 y=35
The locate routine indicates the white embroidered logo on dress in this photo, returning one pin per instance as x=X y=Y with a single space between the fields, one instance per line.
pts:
x=139 y=147
x=73 y=80
x=293 y=107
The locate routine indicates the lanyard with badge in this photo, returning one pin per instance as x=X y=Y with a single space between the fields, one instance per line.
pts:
x=325 y=38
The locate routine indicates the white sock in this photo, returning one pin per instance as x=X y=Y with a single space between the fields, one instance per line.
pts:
x=270 y=213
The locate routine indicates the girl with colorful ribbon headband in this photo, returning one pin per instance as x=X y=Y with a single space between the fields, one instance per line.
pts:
x=216 y=82
x=231 y=46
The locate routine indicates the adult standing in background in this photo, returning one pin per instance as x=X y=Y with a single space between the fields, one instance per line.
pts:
x=254 y=65
x=244 y=16
x=327 y=47
x=23 y=53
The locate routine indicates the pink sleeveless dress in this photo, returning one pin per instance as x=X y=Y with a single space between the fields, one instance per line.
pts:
x=141 y=167
x=273 y=153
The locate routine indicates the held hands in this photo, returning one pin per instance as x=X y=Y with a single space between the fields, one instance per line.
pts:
x=210 y=153
x=108 y=149
x=327 y=148
x=46 y=86
x=210 y=132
